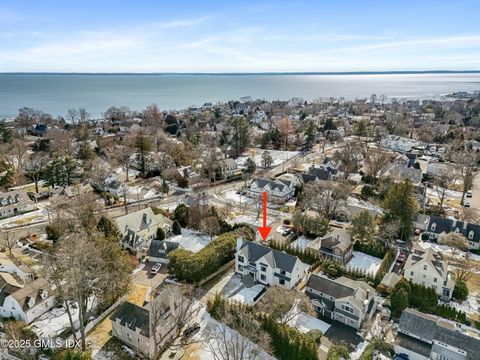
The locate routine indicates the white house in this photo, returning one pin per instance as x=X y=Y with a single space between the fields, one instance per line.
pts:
x=24 y=302
x=399 y=143
x=12 y=266
x=278 y=191
x=229 y=168
x=426 y=267
x=268 y=266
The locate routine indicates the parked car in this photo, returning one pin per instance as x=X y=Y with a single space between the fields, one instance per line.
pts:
x=191 y=330
x=155 y=269
x=401 y=257
x=469 y=194
x=466 y=205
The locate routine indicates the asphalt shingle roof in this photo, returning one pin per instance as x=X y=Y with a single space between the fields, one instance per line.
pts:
x=276 y=258
x=329 y=287
x=430 y=328
x=133 y=317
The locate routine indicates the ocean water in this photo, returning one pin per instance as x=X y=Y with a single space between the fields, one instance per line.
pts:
x=56 y=93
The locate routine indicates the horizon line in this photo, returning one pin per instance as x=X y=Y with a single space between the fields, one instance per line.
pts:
x=367 y=72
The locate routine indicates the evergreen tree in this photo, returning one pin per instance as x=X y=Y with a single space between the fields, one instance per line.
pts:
x=460 y=292
x=363 y=227
x=310 y=134
x=143 y=145
x=176 y=228
x=161 y=234
x=108 y=228
x=181 y=214
x=250 y=166
x=400 y=204
x=399 y=301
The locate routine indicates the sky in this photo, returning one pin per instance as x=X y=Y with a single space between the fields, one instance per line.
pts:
x=238 y=36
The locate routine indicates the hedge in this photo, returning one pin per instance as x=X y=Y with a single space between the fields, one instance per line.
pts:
x=193 y=267
x=287 y=343
x=387 y=261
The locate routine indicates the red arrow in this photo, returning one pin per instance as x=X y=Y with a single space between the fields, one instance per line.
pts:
x=264 y=230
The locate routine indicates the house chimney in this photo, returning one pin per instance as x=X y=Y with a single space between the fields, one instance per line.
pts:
x=239 y=243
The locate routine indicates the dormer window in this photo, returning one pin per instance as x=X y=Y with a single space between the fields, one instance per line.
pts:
x=457 y=230
x=434 y=226
x=471 y=234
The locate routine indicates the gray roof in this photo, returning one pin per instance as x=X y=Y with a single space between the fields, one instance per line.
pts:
x=338 y=238
x=428 y=255
x=319 y=173
x=274 y=185
x=328 y=286
x=133 y=316
x=452 y=225
x=156 y=246
x=432 y=328
x=400 y=172
x=277 y=259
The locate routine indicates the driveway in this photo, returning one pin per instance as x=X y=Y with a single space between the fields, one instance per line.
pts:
x=475 y=199
x=143 y=276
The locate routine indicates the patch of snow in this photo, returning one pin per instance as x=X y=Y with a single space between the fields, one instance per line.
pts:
x=301 y=243
x=191 y=240
x=205 y=353
x=249 y=219
x=304 y=323
x=232 y=196
x=150 y=194
x=55 y=321
x=246 y=295
x=138 y=268
x=447 y=249
x=469 y=306
x=364 y=262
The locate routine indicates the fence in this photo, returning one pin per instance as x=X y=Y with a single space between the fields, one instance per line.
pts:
x=222 y=269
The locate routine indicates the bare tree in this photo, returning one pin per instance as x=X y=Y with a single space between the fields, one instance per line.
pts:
x=72 y=115
x=285 y=128
x=455 y=240
x=124 y=158
x=80 y=261
x=375 y=160
x=244 y=342
x=463 y=266
x=35 y=167
x=443 y=181
x=55 y=273
x=14 y=155
x=285 y=305
x=349 y=156
x=389 y=231
x=83 y=115
x=8 y=241
x=210 y=225
x=467 y=167
x=325 y=197
x=181 y=304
